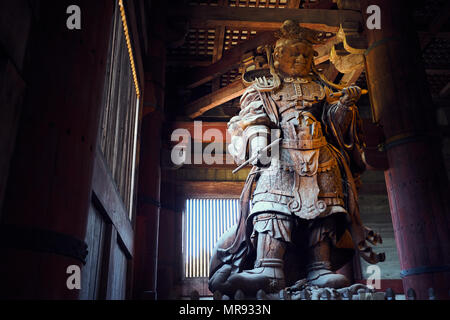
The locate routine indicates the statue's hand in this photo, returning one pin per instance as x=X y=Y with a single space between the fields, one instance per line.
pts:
x=257 y=144
x=351 y=95
x=263 y=160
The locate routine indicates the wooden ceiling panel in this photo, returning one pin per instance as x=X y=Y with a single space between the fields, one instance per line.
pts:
x=236 y=36
x=198 y=43
x=264 y=18
x=229 y=77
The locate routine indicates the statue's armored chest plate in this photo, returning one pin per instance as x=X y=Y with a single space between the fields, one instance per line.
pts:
x=297 y=91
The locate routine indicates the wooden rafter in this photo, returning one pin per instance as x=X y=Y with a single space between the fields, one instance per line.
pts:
x=218 y=43
x=331 y=72
x=228 y=61
x=265 y=18
x=187 y=61
x=212 y=100
x=219 y=37
x=294 y=4
x=351 y=77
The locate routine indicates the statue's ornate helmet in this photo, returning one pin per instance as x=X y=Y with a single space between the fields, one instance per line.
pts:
x=291 y=30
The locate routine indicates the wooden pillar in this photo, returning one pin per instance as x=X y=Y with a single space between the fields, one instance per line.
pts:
x=416 y=180
x=148 y=208
x=167 y=262
x=49 y=185
x=149 y=185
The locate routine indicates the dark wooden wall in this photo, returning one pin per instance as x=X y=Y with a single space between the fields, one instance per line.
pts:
x=15 y=27
x=51 y=168
x=61 y=188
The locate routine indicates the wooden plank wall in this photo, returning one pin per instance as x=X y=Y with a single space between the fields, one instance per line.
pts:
x=119 y=281
x=91 y=286
x=110 y=233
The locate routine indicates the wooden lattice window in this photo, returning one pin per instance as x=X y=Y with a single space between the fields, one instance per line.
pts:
x=120 y=116
x=204 y=221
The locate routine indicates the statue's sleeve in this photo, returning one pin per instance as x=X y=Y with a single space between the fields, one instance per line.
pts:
x=344 y=129
x=251 y=121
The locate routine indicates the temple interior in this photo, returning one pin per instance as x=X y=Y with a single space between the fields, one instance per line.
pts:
x=108 y=108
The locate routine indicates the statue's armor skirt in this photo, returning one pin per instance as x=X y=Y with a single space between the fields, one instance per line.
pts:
x=274 y=188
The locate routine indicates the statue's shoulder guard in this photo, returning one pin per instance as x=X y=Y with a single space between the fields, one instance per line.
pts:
x=261 y=80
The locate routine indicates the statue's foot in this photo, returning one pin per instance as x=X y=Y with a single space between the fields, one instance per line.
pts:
x=269 y=277
x=324 y=278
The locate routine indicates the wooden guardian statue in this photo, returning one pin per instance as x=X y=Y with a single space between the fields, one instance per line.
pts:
x=304 y=222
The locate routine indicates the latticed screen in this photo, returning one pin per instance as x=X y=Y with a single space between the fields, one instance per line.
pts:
x=120 y=116
x=204 y=221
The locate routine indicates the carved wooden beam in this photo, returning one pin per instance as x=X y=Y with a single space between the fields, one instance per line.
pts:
x=212 y=100
x=264 y=18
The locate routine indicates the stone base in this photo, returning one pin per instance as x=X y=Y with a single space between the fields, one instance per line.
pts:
x=302 y=291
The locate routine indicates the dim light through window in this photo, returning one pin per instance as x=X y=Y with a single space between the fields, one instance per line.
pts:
x=204 y=221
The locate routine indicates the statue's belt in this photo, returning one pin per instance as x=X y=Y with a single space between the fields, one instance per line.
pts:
x=322 y=167
x=304 y=144
x=297 y=105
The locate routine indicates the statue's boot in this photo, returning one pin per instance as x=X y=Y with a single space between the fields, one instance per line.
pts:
x=319 y=269
x=268 y=273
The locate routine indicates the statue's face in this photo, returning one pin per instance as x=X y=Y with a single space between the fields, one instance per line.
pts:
x=293 y=58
